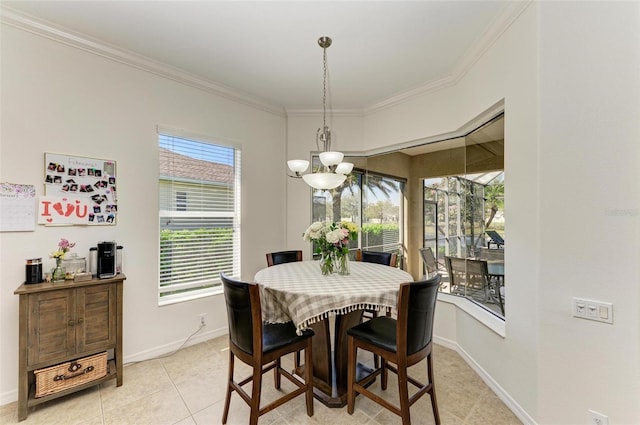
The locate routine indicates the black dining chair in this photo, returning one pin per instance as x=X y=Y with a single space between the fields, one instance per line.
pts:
x=281 y=257
x=261 y=346
x=404 y=341
x=385 y=258
x=275 y=258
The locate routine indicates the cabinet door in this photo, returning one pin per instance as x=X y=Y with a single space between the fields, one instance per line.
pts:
x=51 y=326
x=96 y=317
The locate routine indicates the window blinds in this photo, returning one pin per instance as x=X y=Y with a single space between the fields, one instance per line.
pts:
x=199 y=212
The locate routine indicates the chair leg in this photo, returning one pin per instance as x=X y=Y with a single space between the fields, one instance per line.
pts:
x=308 y=377
x=384 y=375
x=228 y=397
x=296 y=360
x=351 y=375
x=255 y=395
x=403 y=392
x=376 y=359
x=276 y=374
x=432 y=393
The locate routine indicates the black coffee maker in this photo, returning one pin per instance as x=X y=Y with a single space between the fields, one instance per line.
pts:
x=33 y=270
x=106 y=259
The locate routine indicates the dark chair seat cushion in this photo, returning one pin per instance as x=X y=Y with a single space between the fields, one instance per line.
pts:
x=279 y=335
x=380 y=332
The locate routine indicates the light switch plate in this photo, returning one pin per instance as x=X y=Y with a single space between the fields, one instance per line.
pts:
x=599 y=311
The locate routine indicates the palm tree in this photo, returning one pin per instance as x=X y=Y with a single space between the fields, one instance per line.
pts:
x=494 y=200
x=371 y=182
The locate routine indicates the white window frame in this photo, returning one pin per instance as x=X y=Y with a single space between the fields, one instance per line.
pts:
x=213 y=285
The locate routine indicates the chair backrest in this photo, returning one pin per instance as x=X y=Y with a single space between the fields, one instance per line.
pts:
x=429 y=261
x=496 y=254
x=416 y=307
x=495 y=237
x=274 y=258
x=466 y=273
x=244 y=314
x=384 y=258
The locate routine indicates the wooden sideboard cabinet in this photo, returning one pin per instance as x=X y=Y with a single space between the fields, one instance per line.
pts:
x=61 y=322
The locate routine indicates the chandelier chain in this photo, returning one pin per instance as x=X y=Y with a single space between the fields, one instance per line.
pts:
x=324 y=89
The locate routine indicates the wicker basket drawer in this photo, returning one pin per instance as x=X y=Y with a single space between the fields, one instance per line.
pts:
x=68 y=375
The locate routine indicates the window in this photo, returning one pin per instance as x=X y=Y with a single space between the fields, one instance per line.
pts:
x=372 y=201
x=382 y=214
x=199 y=193
x=181 y=201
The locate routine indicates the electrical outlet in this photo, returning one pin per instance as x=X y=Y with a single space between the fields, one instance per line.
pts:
x=203 y=319
x=595 y=418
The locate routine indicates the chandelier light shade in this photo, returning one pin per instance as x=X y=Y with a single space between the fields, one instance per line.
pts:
x=333 y=171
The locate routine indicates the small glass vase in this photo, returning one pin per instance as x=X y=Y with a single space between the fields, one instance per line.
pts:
x=342 y=263
x=326 y=263
x=58 y=273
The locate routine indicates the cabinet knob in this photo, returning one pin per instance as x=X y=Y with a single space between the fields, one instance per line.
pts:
x=80 y=321
x=71 y=323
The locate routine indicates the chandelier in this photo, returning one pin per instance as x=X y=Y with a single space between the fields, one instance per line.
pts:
x=333 y=171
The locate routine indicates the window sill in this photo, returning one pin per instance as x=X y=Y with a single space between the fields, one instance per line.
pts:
x=488 y=319
x=189 y=296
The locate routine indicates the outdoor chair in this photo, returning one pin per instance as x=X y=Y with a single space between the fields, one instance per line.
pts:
x=261 y=346
x=471 y=278
x=495 y=239
x=275 y=258
x=491 y=254
x=429 y=261
x=403 y=342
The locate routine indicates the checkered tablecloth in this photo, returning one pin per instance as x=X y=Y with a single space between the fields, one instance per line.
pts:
x=299 y=292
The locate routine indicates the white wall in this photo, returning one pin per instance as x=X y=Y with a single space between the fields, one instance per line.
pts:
x=60 y=99
x=590 y=204
x=568 y=74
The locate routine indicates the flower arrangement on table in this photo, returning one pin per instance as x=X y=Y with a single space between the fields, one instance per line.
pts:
x=63 y=247
x=332 y=243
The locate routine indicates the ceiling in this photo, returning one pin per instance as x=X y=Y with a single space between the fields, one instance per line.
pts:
x=268 y=51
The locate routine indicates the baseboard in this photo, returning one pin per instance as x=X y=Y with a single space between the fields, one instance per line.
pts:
x=488 y=379
x=202 y=336
x=154 y=352
x=8 y=397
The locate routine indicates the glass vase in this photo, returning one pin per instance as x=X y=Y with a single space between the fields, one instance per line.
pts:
x=58 y=273
x=326 y=263
x=342 y=263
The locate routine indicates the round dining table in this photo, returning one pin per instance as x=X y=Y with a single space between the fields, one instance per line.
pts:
x=299 y=292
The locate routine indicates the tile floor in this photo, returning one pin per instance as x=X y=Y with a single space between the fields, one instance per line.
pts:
x=188 y=388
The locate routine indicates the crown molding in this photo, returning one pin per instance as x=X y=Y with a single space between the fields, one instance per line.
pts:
x=83 y=42
x=509 y=14
x=499 y=26
x=45 y=29
x=428 y=87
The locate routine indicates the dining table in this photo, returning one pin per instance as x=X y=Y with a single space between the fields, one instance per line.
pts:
x=300 y=293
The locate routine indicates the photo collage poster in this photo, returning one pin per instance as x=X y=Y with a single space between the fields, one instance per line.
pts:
x=78 y=191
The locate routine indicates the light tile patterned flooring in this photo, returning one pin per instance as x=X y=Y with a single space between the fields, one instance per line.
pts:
x=188 y=388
